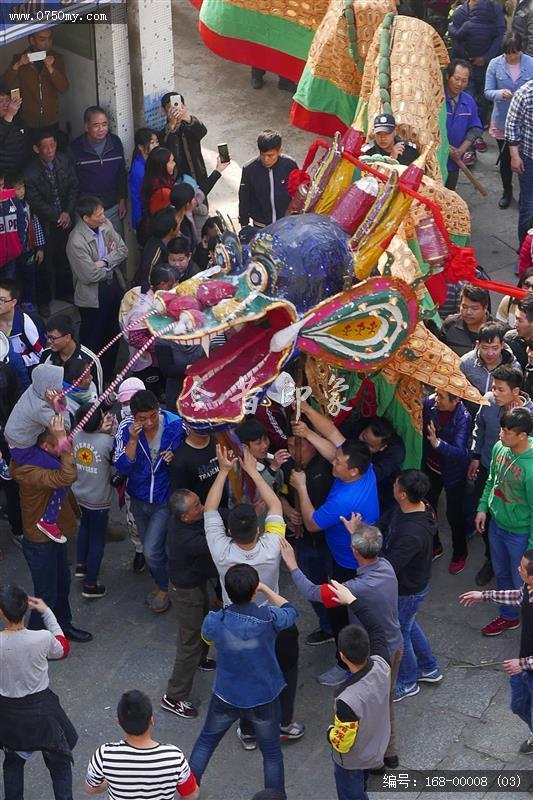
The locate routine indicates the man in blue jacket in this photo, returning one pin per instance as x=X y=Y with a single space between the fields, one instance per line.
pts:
x=462 y=120
x=145 y=445
x=100 y=167
x=248 y=679
x=476 y=30
x=447 y=426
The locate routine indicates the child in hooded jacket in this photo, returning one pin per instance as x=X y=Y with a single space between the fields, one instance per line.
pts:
x=30 y=417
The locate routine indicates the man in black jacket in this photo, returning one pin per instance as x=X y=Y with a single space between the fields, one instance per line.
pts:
x=409 y=548
x=182 y=135
x=14 y=148
x=518 y=338
x=190 y=570
x=263 y=194
x=52 y=189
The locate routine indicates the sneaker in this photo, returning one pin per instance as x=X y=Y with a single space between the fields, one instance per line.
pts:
x=51 y=530
x=480 y=145
x=248 y=742
x=527 y=746
x=409 y=691
x=499 y=625
x=257 y=83
x=139 y=563
x=469 y=158
x=333 y=677
x=5 y=474
x=81 y=571
x=95 y=591
x=319 y=636
x=435 y=676
x=455 y=567
x=437 y=552
x=207 y=665
x=159 y=602
x=485 y=574
x=17 y=538
x=293 y=731
x=181 y=708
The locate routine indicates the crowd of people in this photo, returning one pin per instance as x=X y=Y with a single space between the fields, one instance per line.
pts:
x=213 y=523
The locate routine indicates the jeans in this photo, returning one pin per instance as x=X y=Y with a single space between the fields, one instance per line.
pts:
x=152 y=521
x=314 y=559
x=351 y=783
x=59 y=767
x=521 y=687
x=48 y=564
x=525 y=202
x=287 y=652
x=265 y=719
x=417 y=654
x=26 y=276
x=507 y=550
x=91 y=541
x=454 y=512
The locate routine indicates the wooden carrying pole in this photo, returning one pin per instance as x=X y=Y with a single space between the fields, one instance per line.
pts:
x=469 y=174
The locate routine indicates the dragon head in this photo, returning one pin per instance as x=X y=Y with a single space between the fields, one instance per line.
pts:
x=292 y=266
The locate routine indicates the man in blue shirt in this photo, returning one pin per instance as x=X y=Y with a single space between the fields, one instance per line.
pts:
x=462 y=119
x=354 y=490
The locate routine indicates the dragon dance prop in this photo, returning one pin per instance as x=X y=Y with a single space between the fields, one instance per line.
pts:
x=275 y=36
x=347 y=280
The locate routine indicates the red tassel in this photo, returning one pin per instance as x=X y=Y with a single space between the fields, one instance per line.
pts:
x=296 y=179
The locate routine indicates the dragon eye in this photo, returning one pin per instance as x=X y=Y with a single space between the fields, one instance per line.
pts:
x=257 y=276
x=222 y=258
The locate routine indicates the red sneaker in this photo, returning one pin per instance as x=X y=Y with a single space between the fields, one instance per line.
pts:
x=51 y=530
x=499 y=625
x=457 y=566
x=481 y=145
x=437 y=552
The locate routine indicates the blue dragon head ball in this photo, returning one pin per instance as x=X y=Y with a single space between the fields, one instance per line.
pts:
x=303 y=259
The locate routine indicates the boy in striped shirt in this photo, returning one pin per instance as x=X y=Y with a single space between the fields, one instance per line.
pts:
x=138 y=766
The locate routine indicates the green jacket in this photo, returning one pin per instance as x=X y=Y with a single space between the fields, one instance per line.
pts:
x=508 y=493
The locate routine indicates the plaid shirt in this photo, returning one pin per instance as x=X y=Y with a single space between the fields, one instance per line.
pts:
x=510 y=597
x=519 y=122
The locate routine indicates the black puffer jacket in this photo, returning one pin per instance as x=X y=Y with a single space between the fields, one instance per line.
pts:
x=39 y=188
x=14 y=147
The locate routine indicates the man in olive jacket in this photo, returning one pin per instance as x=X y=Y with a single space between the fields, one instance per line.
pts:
x=95 y=252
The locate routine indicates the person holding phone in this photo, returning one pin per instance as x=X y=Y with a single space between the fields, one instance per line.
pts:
x=14 y=146
x=39 y=72
x=182 y=135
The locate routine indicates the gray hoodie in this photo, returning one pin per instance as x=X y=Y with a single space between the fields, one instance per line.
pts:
x=477 y=373
x=33 y=413
x=92 y=453
x=487 y=427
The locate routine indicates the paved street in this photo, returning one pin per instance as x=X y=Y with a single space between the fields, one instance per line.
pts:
x=463 y=723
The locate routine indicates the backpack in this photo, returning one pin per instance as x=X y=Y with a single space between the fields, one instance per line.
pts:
x=10 y=221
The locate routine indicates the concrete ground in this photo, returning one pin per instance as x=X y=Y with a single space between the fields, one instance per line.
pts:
x=463 y=723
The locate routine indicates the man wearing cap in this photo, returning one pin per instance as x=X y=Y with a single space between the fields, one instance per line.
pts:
x=387 y=143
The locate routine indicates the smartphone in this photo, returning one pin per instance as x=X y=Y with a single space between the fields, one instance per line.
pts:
x=223 y=152
x=175 y=101
x=15 y=94
x=38 y=55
